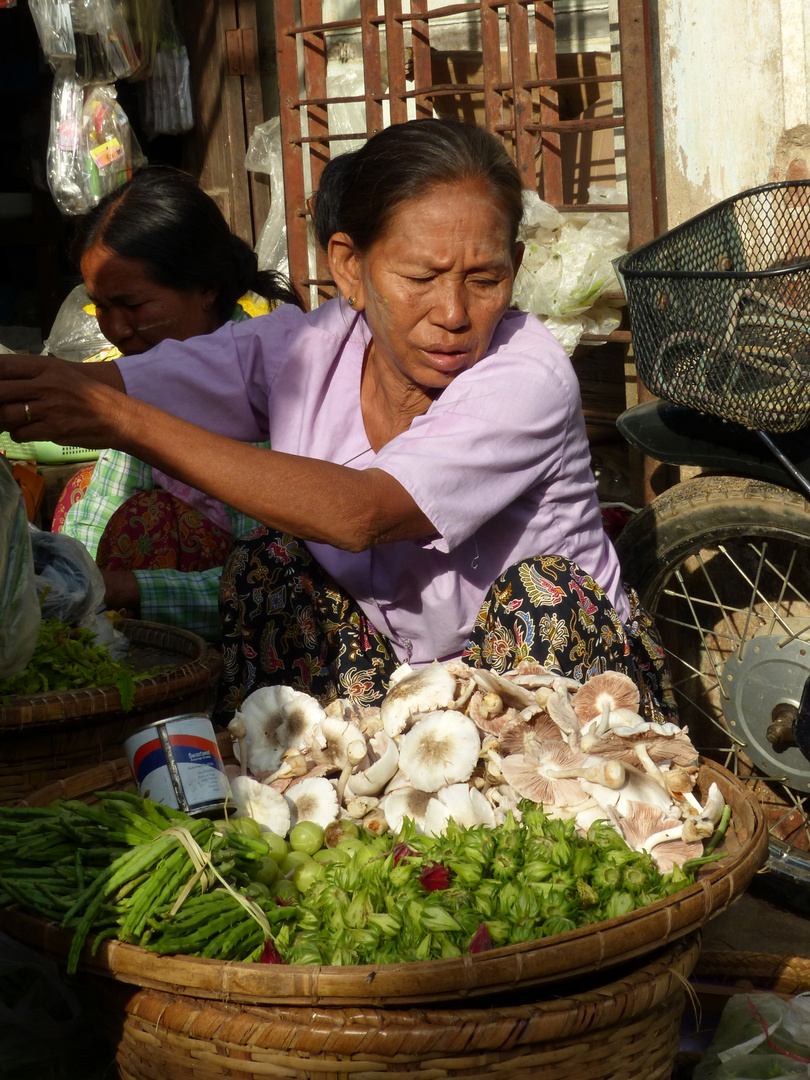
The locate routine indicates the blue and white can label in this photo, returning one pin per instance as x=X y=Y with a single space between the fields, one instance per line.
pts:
x=177 y=762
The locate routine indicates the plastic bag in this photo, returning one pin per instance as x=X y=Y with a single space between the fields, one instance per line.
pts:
x=19 y=605
x=264 y=156
x=567 y=266
x=166 y=106
x=759 y=1036
x=75 y=333
x=104 y=48
x=55 y=30
x=145 y=21
x=68 y=582
x=91 y=148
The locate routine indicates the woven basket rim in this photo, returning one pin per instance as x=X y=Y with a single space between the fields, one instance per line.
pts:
x=201 y=668
x=581 y=951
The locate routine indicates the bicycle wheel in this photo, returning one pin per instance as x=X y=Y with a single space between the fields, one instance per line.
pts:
x=723 y=564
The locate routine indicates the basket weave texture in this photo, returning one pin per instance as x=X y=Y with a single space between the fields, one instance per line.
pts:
x=45 y=737
x=720 y=309
x=513 y=968
x=625 y=1029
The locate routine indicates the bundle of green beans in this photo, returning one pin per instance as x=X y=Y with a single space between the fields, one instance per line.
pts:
x=135 y=870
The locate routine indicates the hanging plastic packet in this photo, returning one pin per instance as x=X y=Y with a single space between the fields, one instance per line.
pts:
x=65 y=162
x=166 y=107
x=112 y=149
x=55 y=29
x=104 y=49
x=91 y=148
x=264 y=156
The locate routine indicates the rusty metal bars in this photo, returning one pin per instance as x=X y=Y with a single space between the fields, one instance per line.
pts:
x=519 y=93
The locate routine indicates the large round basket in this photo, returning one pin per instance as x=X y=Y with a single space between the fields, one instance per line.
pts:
x=44 y=737
x=623 y=1029
x=506 y=970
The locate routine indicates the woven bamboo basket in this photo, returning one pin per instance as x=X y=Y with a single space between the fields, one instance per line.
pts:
x=507 y=970
x=44 y=737
x=624 y=1029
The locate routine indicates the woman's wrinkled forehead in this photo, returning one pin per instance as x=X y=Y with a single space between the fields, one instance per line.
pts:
x=402 y=217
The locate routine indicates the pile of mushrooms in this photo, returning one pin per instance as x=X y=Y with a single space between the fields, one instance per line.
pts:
x=451 y=741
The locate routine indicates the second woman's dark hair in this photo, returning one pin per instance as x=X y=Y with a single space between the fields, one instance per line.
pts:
x=162 y=217
x=359 y=191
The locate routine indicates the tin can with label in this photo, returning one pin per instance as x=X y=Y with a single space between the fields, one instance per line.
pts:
x=177 y=762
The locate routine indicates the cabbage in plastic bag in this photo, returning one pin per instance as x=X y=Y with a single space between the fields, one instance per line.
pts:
x=567 y=266
x=19 y=605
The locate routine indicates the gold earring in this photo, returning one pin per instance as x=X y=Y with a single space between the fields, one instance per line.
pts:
x=351 y=301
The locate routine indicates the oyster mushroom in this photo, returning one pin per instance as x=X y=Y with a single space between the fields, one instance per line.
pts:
x=418 y=692
x=441 y=748
x=312 y=799
x=263 y=803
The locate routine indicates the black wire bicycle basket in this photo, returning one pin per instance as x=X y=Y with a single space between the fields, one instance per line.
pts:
x=720 y=309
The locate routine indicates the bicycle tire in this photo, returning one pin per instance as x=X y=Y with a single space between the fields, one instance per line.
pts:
x=720 y=561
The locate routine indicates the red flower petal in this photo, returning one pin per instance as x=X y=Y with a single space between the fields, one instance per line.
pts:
x=434 y=877
x=481 y=941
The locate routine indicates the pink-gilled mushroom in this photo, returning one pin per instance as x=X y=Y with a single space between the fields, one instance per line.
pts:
x=511 y=693
x=488 y=712
x=561 y=711
x=666 y=839
x=532 y=774
x=601 y=695
x=516 y=734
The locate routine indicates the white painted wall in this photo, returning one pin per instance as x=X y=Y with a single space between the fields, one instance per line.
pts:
x=734 y=104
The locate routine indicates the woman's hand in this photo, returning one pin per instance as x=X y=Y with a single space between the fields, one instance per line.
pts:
x=48 y=399
x=121 y=591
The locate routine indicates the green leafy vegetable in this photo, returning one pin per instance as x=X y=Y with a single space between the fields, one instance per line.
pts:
x=67 y=658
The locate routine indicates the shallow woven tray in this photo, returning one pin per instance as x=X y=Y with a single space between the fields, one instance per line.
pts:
x=44 y=737
x=583 y=951
x=627 y=1029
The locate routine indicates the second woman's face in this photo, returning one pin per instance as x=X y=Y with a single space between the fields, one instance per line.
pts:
x=435 y=285
x=134 y=312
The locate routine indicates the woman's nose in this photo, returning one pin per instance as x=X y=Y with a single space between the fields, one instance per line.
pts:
x=114 y=325
x=450 y=308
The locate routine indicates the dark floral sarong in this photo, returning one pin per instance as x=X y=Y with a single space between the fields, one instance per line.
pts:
x=285 y=621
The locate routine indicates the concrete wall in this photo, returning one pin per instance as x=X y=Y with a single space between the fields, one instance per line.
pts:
x=734 y=98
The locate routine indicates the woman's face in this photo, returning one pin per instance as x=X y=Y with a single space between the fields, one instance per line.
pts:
x=134 y=312
x=436 y=283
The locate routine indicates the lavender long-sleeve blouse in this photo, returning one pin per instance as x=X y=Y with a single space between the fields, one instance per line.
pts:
x=499 y=463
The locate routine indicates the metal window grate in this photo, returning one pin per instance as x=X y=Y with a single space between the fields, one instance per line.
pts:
x=348 y=67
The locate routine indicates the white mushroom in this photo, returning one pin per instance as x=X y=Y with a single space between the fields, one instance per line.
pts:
x=442 y=748
x=417 y=692
x=562 y=713
x=335 y=739
x=262 y=803
x=238 y=733
x=511 y=693
x=406 y=802
x=358 y=806
x=377 y=767
x=276 y=718
x=466 y=806
x=312 y=799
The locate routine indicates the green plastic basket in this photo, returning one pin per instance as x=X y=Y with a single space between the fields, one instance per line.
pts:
x=44 y=453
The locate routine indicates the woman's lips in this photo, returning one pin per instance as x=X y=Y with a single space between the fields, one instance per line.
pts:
x=448 y=359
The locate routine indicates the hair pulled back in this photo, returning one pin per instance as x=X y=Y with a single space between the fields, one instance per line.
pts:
x=359 y=190
x=162 y=217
